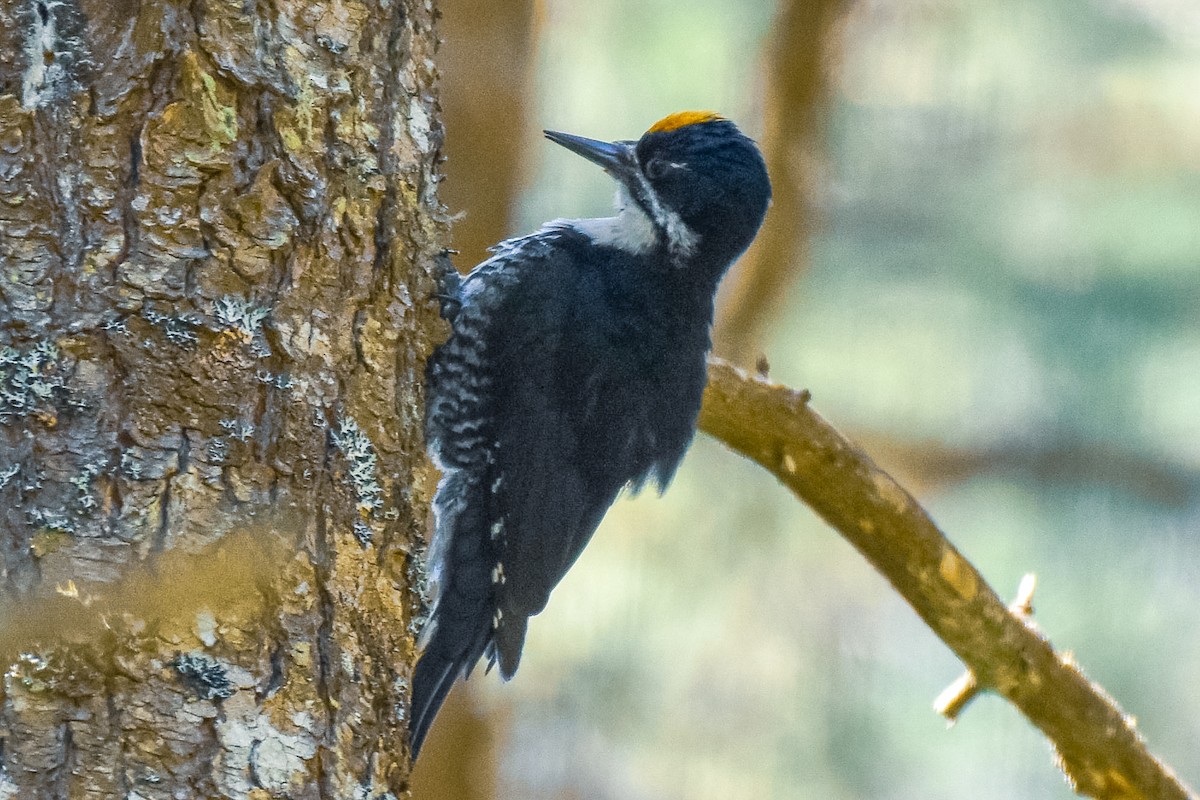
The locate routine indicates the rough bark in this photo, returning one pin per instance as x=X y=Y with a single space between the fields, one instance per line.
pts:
x=217 y=221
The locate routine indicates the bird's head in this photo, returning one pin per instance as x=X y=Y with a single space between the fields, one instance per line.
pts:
x=692 y=185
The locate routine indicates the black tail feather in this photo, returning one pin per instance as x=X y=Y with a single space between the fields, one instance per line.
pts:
x=432 y=680
x=460 y=625
x=461 y=630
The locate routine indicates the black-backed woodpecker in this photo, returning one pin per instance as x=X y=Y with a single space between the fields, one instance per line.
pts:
x=574 y=369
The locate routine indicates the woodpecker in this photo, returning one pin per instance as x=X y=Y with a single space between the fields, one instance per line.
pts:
x=574 y=369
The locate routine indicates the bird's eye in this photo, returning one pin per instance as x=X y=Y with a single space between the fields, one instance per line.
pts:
x=656 y=168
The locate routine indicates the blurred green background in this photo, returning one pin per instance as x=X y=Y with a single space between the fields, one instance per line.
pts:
x=994 y=286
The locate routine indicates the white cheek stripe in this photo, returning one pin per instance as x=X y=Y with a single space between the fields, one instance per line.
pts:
x=681 y=240
x=633 y=231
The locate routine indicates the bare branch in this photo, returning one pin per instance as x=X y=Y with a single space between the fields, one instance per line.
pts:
x=958 y=695
x=1099 y=748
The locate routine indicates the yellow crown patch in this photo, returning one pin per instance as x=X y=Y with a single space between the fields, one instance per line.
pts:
x=682 y=119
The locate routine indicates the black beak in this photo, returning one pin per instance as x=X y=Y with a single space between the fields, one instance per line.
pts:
x=616 y=158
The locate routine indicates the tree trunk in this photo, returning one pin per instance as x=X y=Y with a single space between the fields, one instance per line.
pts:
x=217 y=226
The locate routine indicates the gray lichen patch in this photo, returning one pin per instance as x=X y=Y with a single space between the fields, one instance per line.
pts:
x=363 y=473
x=179 y=329
x=244 y=319
x=239 y=314
x=30 y=672
x=33 y=383
x=204 y=675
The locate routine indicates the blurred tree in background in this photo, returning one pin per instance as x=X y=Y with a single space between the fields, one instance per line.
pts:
x=997 y=244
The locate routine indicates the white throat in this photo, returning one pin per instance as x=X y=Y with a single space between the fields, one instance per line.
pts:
x=633 y=231
x=630 y=230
